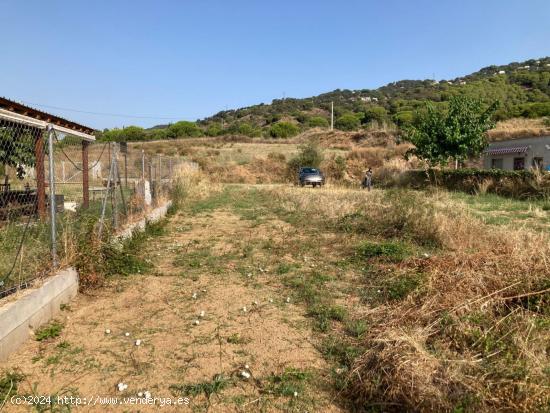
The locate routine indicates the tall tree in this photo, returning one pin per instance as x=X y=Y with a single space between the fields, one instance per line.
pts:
x=457 y=133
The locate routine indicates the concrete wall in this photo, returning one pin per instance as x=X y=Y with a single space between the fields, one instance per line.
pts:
x=539 y=147
x=34 y=308
x=153 y=216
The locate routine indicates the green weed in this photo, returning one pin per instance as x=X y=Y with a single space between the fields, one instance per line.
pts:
x=392 y=251
x=208 y=388
x=52 y=330
x=289 y=383
x=356 y=328
x=9 y=383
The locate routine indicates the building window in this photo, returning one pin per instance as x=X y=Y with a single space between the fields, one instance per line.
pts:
x=538 y=163
x=497 y=163
x=519 y=164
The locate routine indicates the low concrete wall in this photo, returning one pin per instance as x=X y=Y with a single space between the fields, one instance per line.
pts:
x=34 y=308
x=39 y=305
x=155 y=215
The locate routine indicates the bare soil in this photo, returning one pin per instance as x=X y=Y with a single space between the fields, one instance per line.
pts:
x=159 y=308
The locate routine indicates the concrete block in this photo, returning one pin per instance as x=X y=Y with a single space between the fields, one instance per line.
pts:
x=34 y=308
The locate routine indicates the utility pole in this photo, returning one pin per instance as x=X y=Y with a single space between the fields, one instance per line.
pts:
x=331 y=115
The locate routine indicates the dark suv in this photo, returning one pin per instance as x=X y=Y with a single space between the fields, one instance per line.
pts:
x=311 y=176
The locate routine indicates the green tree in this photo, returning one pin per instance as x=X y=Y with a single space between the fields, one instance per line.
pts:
x=16 y=150
x=404 y=118
x=375 y=114
x=247 y=130
x=127 y=134
x=348 y=122
x=184 y=129
x=459 y=132
x=157 y=134
x=214 y=129
x=310 y=154
x=283 y=130
x=317 y=122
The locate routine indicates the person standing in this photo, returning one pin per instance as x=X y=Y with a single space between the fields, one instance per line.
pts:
x=367 y=181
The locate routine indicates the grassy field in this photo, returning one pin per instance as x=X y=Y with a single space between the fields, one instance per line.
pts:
x=278 y=298
x=497 y=210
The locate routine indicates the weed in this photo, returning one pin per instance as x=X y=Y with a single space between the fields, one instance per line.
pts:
x=292 y=381
x=392 y=251
x=52 y=330
x=340 y=351
x=356 y=328
x=284 y=268
x=208 y=388
x=8 y=384
x=236 y=338
x=323 y=313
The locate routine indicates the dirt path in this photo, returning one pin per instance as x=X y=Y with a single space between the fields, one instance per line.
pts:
x=208 y=263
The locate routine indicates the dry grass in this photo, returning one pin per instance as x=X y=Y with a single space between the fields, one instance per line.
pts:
x=474 y=334
x=519 y=128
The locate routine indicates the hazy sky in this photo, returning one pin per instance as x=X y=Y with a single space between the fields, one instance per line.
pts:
x=189 y=59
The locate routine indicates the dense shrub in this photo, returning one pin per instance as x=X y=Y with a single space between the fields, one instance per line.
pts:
x=317 y=121
x=283 y=130
x=348 y=122
x=517 y=184
x=375 y=114
x=310 y=155
x=184 y=129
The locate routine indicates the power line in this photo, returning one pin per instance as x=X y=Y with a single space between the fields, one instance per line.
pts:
x=118 y=115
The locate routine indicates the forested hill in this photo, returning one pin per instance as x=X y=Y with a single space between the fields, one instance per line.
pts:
x=523 y=90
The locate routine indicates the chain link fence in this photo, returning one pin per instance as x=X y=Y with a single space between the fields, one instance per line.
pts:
x=45 y=173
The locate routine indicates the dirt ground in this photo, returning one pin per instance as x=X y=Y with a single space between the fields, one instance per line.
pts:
x=202 y=266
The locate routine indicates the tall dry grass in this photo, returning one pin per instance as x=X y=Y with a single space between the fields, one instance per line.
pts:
x=519 y=128
x=475 y=335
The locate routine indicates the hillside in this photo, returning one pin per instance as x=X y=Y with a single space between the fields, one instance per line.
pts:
x=522 y=88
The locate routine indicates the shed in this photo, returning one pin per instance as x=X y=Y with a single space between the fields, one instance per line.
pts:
x=518 y=154
x=15 y=116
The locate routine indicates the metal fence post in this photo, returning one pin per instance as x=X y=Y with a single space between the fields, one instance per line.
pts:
x=53 y=228
x=107 y=192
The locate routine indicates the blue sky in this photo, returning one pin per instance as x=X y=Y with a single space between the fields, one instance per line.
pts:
x=190 y=59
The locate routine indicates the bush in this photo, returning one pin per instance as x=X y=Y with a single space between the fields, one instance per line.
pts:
x=403 y=118
x=214 y=129
x=375 y=114
x=284 y=130
x=318 y=122
x=347 y=122
x=310 y=155
x=515 y=184
x=184 y=129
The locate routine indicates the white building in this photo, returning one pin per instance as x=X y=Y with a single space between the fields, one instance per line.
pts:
x=518 y=154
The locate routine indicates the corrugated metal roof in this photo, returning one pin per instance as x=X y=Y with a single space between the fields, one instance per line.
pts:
x=21 y=109
x=509 y=150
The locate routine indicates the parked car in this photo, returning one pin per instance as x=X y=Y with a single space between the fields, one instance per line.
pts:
x=311 y=176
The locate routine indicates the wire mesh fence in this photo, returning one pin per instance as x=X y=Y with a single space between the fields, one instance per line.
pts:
x=24 y=248
x=46 y=174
